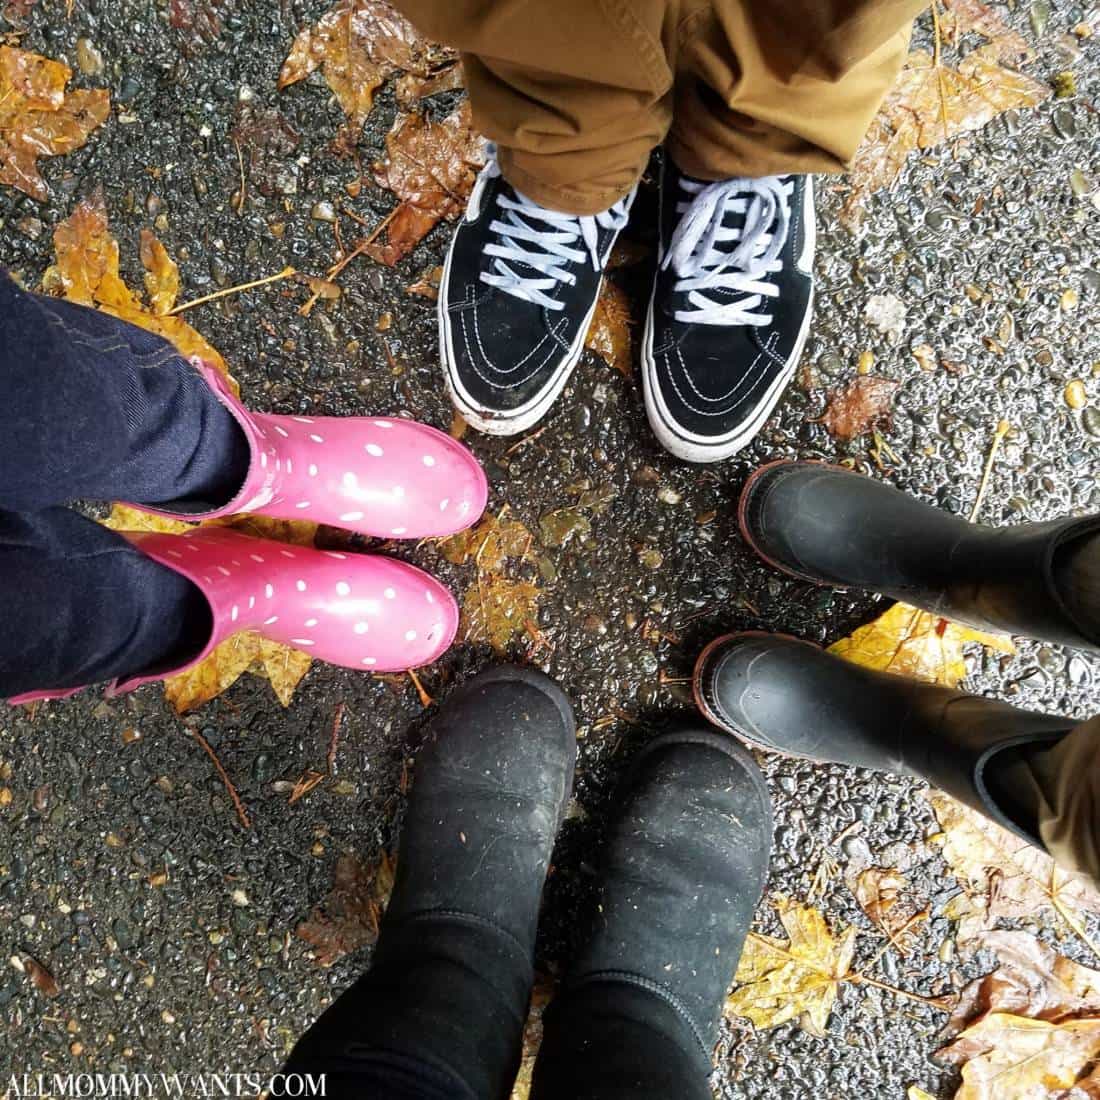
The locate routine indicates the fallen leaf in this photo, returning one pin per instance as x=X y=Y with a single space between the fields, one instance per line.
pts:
x=541 y=996
x=87 y=272
x=1032 y=980
x=496 y=610
x=864 y=403
x=560 y=527
x=929 y=104
x=798 y=978
x=268 y=141
x=162 y=276
x=962 y=16
x=609 y=334
x=489 y=544
x=412 y=87
x=427 y=286
x=1006 y=1057
x=431 y=167
x=915 y=1092
x=44 y=981
x=38 y=118
x=282 y=666
x=917 y=644
x=886 y=897
x=358 y=44
x=349 y=917
x=1004 y=877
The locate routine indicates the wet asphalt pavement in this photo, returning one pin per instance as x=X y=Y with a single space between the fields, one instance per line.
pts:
x=123 y=868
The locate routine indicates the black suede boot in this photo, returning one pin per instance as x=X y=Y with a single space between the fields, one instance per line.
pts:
x=637 y=1014
x=830 y=526
x=442 y=1009
x=783 y=695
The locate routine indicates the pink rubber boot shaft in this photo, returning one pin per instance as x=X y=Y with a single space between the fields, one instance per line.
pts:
x=380 y=476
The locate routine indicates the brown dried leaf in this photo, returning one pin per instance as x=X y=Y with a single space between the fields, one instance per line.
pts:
x=412 y=87
x=886 y=897
x=1032 y=980
x=44 y=981
x=865 y=403
x=929 y=104
x=609 y=334
x=267 y=140
x=431 y=167
x=357 y=45
x=916 y=644
x=87 y=271
x=349 y=917
x=1005 y=877
x=1008 y=1057
x=39 y=119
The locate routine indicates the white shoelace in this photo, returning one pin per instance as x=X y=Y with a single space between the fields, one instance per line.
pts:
x=736 y=277
x=542 y=240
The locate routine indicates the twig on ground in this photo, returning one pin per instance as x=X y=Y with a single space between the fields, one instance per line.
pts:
x=238 y=805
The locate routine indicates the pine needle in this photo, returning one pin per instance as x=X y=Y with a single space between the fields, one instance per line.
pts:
x=286 y=273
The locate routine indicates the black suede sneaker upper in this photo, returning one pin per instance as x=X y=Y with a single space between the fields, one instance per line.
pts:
x=730 y=309
x=518 y=292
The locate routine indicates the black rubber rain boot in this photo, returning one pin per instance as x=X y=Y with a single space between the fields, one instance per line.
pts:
x=637 y=1015
x=830 y=526
x=441 y=1012
x=782 y=695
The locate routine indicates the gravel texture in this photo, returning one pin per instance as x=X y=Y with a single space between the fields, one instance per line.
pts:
x=184 y=975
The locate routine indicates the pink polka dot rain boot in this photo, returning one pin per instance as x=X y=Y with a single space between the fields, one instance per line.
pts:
x=362 y=611
x=379 y=476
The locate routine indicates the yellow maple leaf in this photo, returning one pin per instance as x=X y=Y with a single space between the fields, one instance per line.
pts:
x=929 y=104
x=780 y=980
x=87 y=272
x=917 y=644
x=496 y=607
x=1007 y=1057
x=39 y=119
x=243 y=652
x=1005 y=877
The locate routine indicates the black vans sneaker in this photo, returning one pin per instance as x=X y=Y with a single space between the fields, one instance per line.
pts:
x=730 y=310
x=518 y=293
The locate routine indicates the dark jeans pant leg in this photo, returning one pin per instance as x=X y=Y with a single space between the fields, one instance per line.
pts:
x=612 y=1041
x=93 y=408
x=79 y=604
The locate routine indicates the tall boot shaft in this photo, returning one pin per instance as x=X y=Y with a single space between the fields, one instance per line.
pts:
x=830 y=526
x=787 y=696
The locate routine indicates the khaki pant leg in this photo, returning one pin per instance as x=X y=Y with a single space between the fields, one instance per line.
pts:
x=575 y=93
x=766 y=87
x=1065 y=784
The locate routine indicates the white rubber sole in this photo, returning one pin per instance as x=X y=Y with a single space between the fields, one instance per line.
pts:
x=702 y=449
x=525 y=416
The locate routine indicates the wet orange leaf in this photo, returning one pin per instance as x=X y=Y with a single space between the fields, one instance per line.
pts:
x=357 y=45
x=38 y=118
x=863 y=404
x=431 y=168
